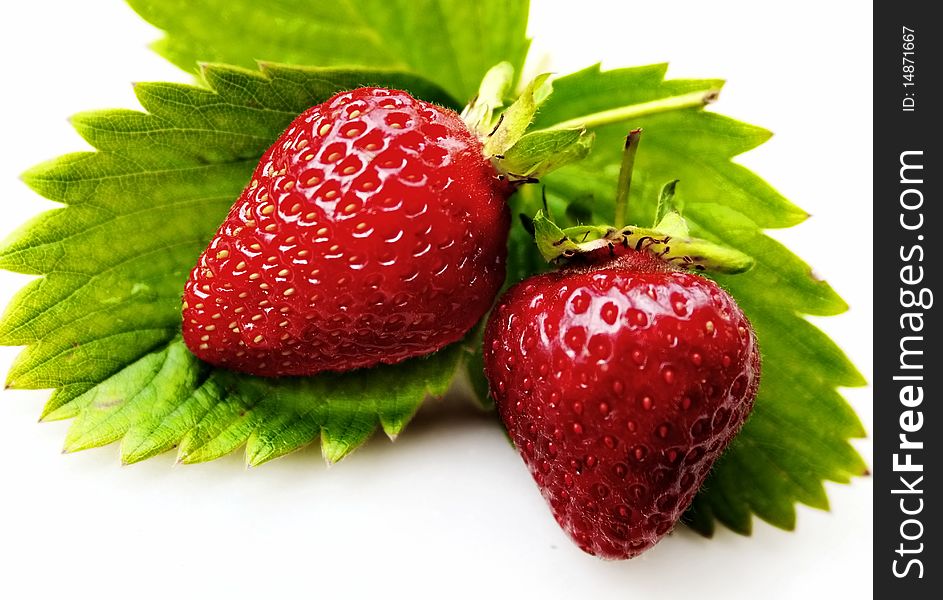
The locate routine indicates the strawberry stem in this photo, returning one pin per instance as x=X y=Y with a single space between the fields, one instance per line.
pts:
x=625 y=175
x=633 y=111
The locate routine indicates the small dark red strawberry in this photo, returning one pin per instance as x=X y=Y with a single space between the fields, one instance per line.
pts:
x=620 y=382
x=373 y=230
x=621 y=378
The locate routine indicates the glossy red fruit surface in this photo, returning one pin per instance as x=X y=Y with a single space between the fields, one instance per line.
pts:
x=372 y=231
x=620 y=381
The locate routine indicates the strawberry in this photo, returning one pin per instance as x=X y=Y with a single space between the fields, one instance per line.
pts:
x=372 y=231
x=621 y=378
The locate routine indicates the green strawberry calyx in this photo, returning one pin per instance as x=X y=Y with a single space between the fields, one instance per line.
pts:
x=520 y=156
x=669 y=238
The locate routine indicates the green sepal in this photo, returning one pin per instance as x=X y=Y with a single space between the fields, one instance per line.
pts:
x=541 y=152
x=520 y=156
x=672 y=245
x=514 y=121
x=552 y=242
x=480 y=113
x=666 y=202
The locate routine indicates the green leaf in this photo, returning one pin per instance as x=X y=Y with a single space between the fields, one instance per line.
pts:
x=168 y=399
x=110 y=409
x=798 y=434
x=451 y=43
x=101 y=325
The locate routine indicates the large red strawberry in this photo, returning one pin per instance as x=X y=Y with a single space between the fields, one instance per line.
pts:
x=372 y=231
x=621 y=379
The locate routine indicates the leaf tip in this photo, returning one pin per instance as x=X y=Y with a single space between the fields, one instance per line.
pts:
x=135 y=456
x=255 y=459
x=334 y=451
x=705 y=532
x=51 y=412
x=32 y=176
x=392 y=428
x=204 y=71
x=10 y=383
x=333 y=455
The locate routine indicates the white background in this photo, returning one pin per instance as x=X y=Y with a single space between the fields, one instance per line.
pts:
x=449 y=510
